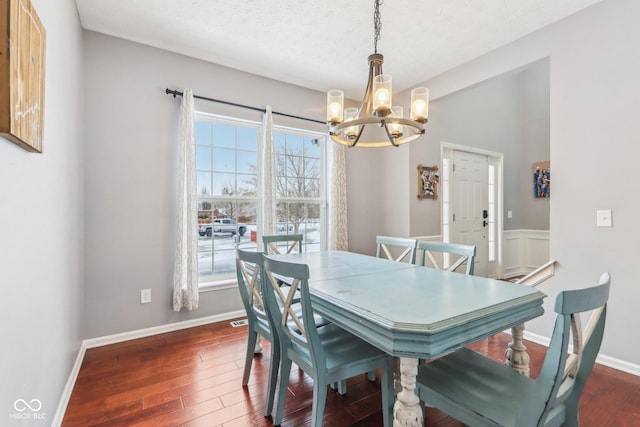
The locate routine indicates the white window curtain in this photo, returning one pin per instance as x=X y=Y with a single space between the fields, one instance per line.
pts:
x=268 y=184
x=338 y=230
x=185 y=271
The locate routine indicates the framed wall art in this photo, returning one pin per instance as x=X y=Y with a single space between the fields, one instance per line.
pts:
x=428 y=179
x=22 y=67
x=542 y=179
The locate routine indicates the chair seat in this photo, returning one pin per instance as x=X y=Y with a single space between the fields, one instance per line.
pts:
x=343 y=348
x=482 y=389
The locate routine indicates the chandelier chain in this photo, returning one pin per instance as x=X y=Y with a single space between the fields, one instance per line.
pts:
x=377 y=25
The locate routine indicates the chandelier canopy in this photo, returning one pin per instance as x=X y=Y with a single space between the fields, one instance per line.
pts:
x=347 y=126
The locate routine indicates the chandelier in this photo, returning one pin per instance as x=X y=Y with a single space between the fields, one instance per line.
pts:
x=347 y=126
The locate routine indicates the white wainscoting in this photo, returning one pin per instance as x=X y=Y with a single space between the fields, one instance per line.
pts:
x=524 y=251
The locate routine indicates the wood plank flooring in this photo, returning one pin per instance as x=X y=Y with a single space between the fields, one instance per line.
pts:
x=193 y=378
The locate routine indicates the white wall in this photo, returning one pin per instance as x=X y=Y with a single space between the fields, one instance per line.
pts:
x=41 y=238
x=594 y=133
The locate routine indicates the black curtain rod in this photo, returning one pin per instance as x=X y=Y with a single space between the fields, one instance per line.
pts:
x=262 y=110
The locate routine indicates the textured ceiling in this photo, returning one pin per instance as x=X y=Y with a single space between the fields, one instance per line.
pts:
x=324 y=44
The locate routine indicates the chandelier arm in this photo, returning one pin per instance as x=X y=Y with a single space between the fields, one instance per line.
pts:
x=355 y=141
x=392 y=140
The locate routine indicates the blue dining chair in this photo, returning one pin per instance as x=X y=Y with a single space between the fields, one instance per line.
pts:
x=328 y=354
x=385 y=245
x=282 y=243
x=428 y=250
x=249 y=274
x=479 y=391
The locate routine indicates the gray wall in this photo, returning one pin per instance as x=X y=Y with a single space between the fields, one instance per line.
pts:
x=130 y=173
x=534 y=97
x=508 y=114
x=41 y=239
x=593 y=109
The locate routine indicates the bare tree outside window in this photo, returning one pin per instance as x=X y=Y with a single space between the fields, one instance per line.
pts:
x=297 y=179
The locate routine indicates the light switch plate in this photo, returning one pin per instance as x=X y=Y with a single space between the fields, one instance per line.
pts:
x=603 y=218
x=145 y=296
x=509 y=214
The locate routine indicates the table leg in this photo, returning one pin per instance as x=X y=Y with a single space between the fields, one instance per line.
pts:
x=516 y=355
x=407 y=411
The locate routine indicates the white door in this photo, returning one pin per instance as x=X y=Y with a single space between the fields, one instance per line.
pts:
x=469 y=204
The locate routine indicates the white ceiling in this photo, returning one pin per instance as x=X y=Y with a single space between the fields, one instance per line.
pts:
x=324 y=44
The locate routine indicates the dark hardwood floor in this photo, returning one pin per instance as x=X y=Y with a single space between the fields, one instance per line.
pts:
x=193 y=378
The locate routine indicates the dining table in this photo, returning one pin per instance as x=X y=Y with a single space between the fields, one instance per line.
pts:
x=412 y=312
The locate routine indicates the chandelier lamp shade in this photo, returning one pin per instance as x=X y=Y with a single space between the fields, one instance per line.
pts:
x=347 y=126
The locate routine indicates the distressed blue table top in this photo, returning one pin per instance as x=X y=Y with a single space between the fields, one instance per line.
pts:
x=413 y=311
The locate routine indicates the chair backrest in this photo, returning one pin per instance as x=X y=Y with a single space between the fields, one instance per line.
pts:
x=384 y=245
x=562 y=377
x=298 y=334
x=466 y=255
x=249 y=273
x=282 y=243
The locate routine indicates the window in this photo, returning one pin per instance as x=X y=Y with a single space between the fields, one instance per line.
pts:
x=492 y=214
x=300 y=189
x=229 y=171
x=227 y=185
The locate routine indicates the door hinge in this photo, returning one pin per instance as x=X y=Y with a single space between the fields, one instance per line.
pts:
x=454 y=167
x=454 y=217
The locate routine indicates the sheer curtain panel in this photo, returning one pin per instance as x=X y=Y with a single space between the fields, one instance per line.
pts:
x=338 y=230
x=185 y=271
x=268 y=185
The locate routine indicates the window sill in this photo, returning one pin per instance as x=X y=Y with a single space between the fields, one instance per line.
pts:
x=218 y=285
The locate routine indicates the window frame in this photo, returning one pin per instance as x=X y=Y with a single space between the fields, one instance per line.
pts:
x=228 y=280
x=221 y=281
x=324 y=180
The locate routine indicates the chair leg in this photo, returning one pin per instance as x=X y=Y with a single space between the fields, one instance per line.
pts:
x=319 y=400
x=285 y=371
x=273 y=378
x=248 y=361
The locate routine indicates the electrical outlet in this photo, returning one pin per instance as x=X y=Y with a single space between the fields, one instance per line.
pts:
x=145 y=296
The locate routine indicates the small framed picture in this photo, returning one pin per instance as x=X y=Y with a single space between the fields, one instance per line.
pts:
x=428 y=179
x=542 y=179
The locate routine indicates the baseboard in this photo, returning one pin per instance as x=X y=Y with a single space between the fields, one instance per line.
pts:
x=68 y=388
x=156 y=330
x=126 y=336
x=611 y=362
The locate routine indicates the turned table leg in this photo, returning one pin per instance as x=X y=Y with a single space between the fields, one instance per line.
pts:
x=516 y=356
x=407 y=411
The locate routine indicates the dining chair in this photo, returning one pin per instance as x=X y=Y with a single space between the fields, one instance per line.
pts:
x=479 y=391
x=427 y=249
x=273 y=244
x=249 y=274
x=385 y=245
x=328 y=354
